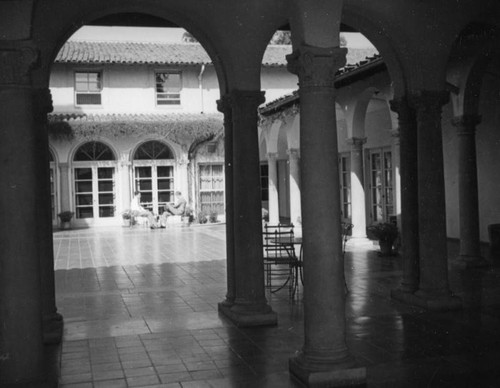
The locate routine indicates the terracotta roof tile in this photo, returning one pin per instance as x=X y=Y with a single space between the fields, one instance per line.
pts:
x=127 y=117
x=374 y=59
x=167 y=53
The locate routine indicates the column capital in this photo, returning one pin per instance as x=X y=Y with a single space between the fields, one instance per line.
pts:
x=42 y=99
x=466 y=124
x=250 y=99
x=430 y=101
x=356 y=142
x=406 y=114
x=316 y=66
x=224 y=104
x=293 y=153
x=272 y=156
x=16 y=65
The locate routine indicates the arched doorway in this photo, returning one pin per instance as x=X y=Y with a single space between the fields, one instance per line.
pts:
x=94 y=170
x=154 y=175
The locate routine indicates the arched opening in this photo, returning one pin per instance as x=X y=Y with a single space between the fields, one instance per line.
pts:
x=153 y=169
x=94 y=182
x=126 y=76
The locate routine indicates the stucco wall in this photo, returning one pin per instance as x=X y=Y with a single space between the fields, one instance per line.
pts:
x=131 y=89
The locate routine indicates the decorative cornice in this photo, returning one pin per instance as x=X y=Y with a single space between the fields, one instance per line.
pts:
x=316 y=66
x=16 y=64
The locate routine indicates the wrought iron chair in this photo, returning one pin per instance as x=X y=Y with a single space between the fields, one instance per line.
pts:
x=280 y=261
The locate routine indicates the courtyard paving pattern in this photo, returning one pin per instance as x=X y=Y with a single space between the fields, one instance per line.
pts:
x=140 y=310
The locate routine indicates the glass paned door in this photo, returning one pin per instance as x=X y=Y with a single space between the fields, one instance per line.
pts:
x=212 y=188
x=94 y=192
x=156 y=185
x=381 y=185
x=345 y=186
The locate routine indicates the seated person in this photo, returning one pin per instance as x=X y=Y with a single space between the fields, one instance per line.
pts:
x=138 y=210
x=178 y=208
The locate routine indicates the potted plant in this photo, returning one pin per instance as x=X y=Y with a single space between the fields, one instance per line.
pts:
x=127 y=217
x=386 y=233
x=202 y=218
x=65 y=218
x=213 y=217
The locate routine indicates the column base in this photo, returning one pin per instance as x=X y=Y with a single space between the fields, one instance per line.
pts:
x=246 y=315
x=341 y=373
x=427 y=300
x=53 y=325
x=468 y=261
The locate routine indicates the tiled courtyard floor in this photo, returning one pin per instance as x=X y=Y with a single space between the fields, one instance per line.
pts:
x=140 y=310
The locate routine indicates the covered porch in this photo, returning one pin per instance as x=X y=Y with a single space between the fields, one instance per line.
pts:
x=140 y=310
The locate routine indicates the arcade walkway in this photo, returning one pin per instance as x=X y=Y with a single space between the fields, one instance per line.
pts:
x=140 y=309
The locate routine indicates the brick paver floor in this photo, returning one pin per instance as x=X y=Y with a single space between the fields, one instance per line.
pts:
x=140 y=310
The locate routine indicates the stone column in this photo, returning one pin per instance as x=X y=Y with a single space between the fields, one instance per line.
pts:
x=409 y=198
x=52 y=320
x=324 y=358
x=295 y=212
x=470 y=248
x=358 y=209
x=274 y=207
x=250 y=306
x=224 y=106
x=21 y=346
x=433 y=290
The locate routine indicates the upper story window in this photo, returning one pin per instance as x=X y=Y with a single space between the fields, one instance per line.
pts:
x=168 y=88
x=88 y=87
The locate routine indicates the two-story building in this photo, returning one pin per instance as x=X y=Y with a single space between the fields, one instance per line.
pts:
x=132 y=116
x=140 y=117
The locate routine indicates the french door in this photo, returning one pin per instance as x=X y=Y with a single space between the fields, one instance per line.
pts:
x=156 y=185
x=381 y=184
x=94 y=192
x=211 y=188
x=345 y=186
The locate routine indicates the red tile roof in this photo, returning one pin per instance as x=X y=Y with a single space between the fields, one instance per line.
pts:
x=132 y=53
x=343 y=76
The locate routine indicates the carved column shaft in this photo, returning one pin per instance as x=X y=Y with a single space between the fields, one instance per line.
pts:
x=21 y=347
x=250 y=306
x=433 y=286
x=470 y=248
x=358 y=210
x=409 y=193
x=324 y=295
x=224 y=106
x=52 y=320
